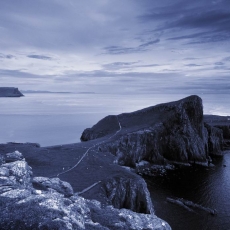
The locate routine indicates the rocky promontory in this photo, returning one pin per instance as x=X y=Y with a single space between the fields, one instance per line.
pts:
x=172 y=132
x=10 y=92
x=49 y=203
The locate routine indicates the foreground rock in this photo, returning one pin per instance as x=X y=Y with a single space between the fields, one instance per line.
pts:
x=44 y=183
x=96 y=177
x=24 y=207
x=10 y=92
x=166 y=133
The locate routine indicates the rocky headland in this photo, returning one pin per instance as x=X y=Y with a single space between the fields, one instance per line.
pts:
x=10 y=92
x=170 y=133
x=94 y=184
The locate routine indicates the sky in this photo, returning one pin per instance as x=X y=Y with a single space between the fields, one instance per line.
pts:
x=116 y=46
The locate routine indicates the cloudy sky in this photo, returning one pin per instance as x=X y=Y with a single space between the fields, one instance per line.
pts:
x=116 y=46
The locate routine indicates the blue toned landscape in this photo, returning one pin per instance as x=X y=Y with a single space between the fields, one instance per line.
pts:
x=58 y=119
x=115 y=115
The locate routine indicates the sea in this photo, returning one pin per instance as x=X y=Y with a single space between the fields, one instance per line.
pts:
x=60 y=118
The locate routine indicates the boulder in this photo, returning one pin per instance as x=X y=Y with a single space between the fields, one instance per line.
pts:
x=14 y=156
x=16 y=173
x=44 y=183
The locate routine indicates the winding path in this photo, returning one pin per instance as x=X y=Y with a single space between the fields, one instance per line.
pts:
x=83 y=156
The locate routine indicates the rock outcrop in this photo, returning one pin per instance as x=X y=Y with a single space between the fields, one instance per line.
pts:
x=215 y=140
x=223 y=124
x=10 y=92
x=44 y=183
x=24 y=207
x=128 y=193
x=170 y=132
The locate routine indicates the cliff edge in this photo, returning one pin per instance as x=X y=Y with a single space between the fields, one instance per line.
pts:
x=170 y=132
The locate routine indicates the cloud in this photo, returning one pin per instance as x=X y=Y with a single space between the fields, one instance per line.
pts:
x=209 y=20
x=219 y=63
x=6 y=56
x=127 y=65
x=190 y=59
x=227 y=59
x=21 y=74
x=149 y=43
x=127 y=50
x=192 y=65
x=42 y=57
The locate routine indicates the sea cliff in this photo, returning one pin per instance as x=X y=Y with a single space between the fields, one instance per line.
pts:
x=173 y=132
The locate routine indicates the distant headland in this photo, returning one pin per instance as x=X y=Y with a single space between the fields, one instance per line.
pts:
x=10 y=92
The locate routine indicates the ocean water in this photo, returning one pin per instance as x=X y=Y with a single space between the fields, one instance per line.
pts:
x=58 y=118
x=55 y=118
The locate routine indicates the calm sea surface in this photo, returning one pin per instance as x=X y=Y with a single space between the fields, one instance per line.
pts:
x=53 y=119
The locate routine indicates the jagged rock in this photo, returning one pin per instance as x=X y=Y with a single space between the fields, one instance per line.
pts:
x=16 y=173
x=23 y=207
x=44 y=183
x=222 y=123
x=14 y=156
x=225 y=129
x=167 y=132
x=215 y=140
x=128 y=193
x=10 y=92
x=124 y=219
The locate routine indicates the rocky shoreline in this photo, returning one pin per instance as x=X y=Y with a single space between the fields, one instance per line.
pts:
x=28 y=202
x=95 y=184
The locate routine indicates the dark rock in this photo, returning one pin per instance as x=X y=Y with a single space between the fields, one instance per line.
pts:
x=107 y=125
x=129 y=194
x=215 y=140
x=44 y=183
x=222 y=123
x=225 y=129
x=10 y=92
x=190 y=206
x=172 y=132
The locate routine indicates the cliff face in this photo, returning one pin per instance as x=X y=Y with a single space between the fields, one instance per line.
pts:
x=128 y=193
x=10 y=92
x=221 y=123
x=167 y=132
x=24 y=207
x=215 y=140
